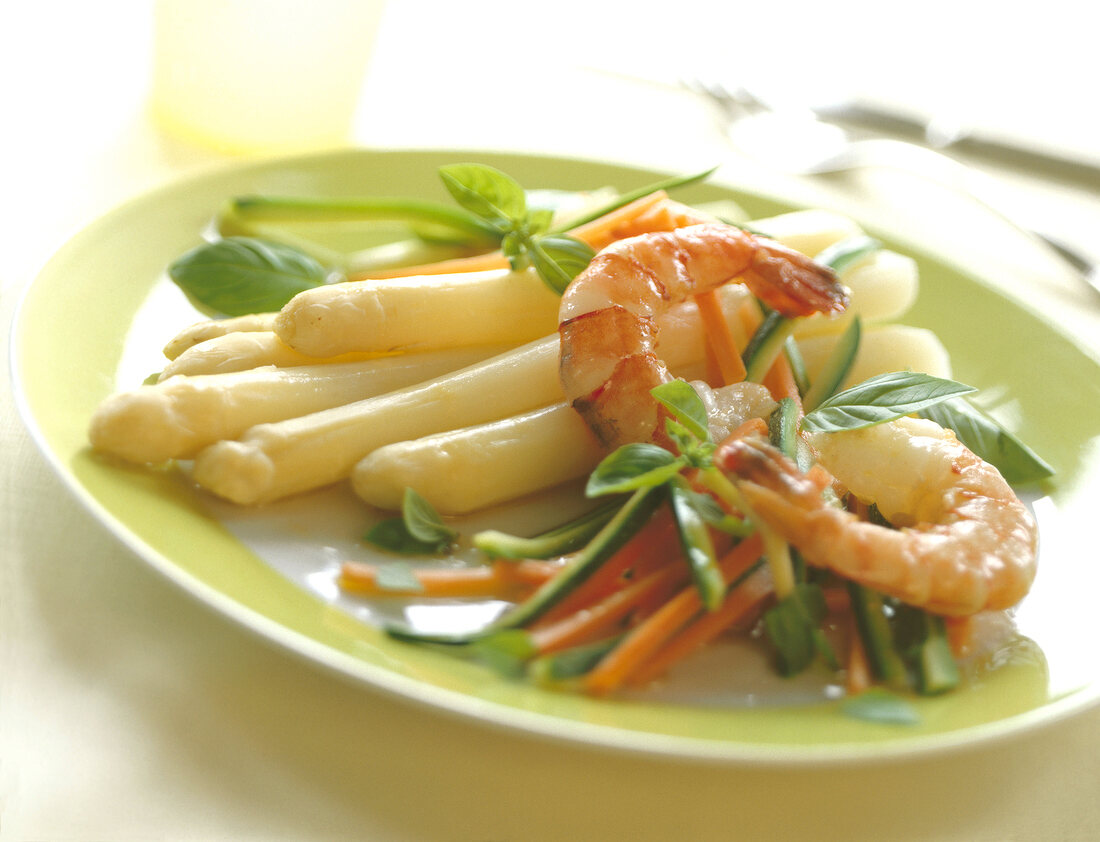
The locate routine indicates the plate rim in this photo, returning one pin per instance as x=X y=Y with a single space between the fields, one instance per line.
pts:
x=453 y=702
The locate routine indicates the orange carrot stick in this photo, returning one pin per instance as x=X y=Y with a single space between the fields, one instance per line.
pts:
x=599 y=233
x=646 y=638
x=780 y=381
x=626 y=221
x=500 y=579
x=859 y=668
x=740 y=602
x=653 y=545
x=749 y=427
x=601 y=619
x=720 y=338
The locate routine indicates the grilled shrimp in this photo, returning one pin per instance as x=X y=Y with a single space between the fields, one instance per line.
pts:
x=965 y=542
x=607 y=315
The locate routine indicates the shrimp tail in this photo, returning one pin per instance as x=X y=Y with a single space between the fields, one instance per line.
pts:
x=792 y=283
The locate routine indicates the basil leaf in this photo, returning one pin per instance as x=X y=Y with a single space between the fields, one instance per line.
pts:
x=538 y=221
x=680 y=398
x=236 y=276
x=392 y=535
x=632 y=466
x=879 y=705
x=423 y=522
x=881 y=398
x=793 y=627
x=558 y=259
x=486 y=192
x=1017 y=462
x=397 y=576
x=419 y=531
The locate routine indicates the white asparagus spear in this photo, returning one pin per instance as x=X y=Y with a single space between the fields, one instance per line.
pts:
x=270 y=461
x=176 y=417
x=461 y=471
x=273 y=460
x=243 y=350
x=420 y=312
x=201 y=331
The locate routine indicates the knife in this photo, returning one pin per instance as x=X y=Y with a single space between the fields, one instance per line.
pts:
x=945 y=136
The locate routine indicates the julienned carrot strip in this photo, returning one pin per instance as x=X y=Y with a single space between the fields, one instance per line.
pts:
x=472 y=263
x=858 y=667
x=749 y=427
x=598 y=234
x=780 y=381
x=646 y=638
x=720 y=338
x=619 y=223
x=601 y=619
x=653 y=545
x=499 y=579
x=739 y=603
x=530 y=571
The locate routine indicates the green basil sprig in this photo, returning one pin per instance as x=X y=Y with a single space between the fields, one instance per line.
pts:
x=418 y=531
x=526 y=239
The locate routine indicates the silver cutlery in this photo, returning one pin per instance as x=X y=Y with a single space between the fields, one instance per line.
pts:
x=800 y=140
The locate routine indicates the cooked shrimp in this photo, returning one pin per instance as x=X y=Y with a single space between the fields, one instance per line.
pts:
x=965 y=542
x=607 y=314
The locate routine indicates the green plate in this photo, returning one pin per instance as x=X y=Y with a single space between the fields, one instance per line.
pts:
x=97 y=317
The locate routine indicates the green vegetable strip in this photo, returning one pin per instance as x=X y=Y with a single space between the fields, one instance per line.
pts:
x=875 y=633
x=766 y=344
x=798 y=365
x=626 y=198
x=934 y=663
x=840 y=256
x=570 y=663
x=244 y=211
x=836 y=368
x=615 y=533
x=554 y=542
x=696 y=543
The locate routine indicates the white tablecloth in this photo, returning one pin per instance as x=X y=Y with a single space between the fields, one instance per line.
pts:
x=130 y=712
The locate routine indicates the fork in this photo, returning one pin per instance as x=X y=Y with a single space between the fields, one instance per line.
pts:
x=797 y=141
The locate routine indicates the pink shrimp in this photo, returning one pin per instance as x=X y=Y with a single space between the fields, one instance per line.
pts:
x=966 y=542
x=607 y=318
